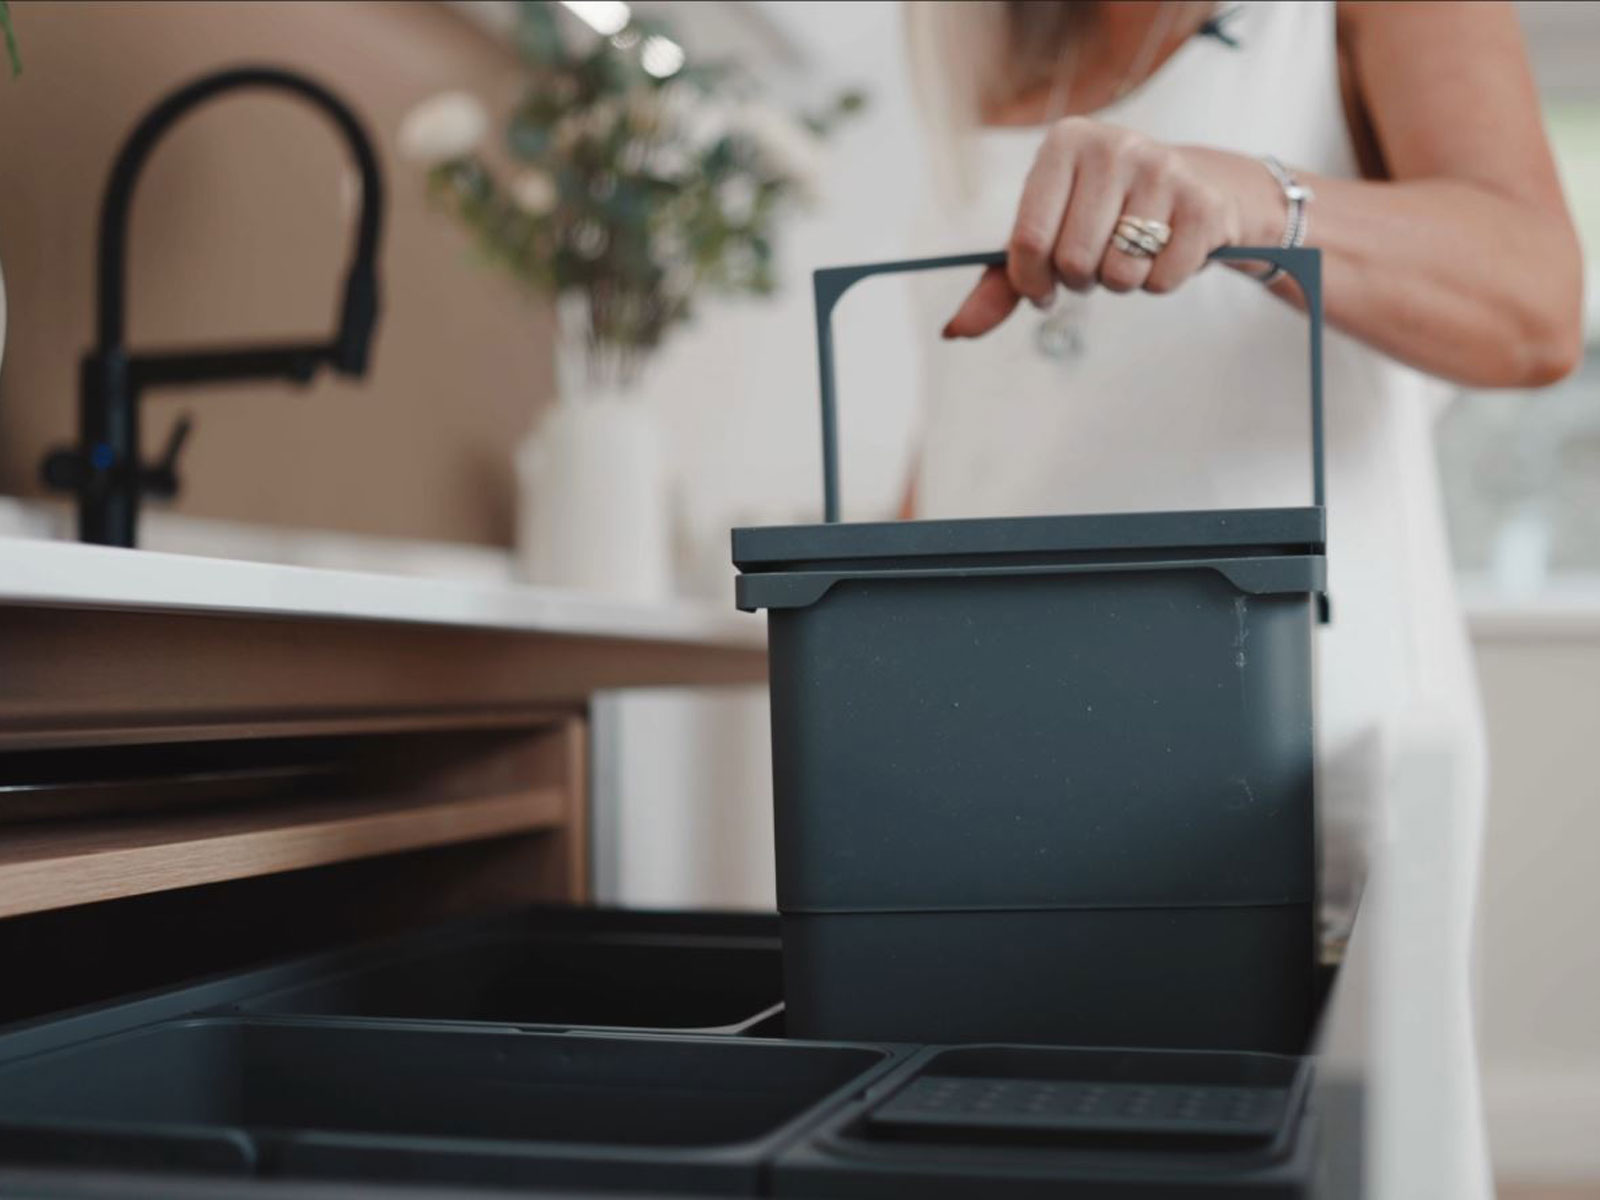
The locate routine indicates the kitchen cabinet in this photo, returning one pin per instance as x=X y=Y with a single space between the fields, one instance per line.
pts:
x=253 y=758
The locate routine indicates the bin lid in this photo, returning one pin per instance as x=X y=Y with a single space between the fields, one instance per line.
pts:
x=1237 y=533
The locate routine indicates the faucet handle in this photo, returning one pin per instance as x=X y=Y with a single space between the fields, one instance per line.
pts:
x=64 y=470
x=160 y=479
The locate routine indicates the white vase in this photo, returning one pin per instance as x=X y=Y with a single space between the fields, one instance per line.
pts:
x=592 y=510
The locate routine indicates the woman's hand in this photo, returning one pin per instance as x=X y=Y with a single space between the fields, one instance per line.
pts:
x=1456 y=256
x=1086 y=177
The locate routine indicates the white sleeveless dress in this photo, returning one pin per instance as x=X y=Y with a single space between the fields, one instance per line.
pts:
x=1199 y=400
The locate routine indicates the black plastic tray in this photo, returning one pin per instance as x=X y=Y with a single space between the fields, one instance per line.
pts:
x=386 y=1100
x=614 y=980
x=1029 y=1120
x=202 y=1087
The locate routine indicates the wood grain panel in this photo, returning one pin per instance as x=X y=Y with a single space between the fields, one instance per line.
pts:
x=81 y=862
x=71 y=671
x=154 y=732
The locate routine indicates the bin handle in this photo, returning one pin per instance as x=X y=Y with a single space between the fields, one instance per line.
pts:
x=1303 y=263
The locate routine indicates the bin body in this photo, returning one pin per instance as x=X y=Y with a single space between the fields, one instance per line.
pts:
x=1045 y=779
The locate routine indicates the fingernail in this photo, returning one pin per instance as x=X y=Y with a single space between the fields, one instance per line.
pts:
x=1046 y=304
x=948 y=333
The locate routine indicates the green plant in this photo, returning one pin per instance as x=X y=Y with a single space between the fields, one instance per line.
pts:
x=10 y=35
x=627 y=176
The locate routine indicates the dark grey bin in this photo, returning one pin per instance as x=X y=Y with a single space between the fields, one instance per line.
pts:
x=1045 y=779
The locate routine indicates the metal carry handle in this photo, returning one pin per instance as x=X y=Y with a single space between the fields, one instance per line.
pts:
x=1304 y=264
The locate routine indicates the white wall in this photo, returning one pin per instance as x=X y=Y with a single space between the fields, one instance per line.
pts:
x=1538 y=958
x=689 y=798
x=739 y=391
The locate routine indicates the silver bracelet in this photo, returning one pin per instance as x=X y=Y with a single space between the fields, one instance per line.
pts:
x=1295 y=197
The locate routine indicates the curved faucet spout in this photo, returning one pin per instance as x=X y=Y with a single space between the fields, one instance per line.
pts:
x=105 y=469
x=359 y=312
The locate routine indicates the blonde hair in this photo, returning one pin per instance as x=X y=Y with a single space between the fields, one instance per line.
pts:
x=968 y=57
x=971 y=57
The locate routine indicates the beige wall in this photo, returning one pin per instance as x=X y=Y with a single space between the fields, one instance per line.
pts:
x=241 y=232
x=1539 y=969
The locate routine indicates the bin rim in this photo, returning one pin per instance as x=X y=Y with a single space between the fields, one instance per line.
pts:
x=1292 y=575
x=1244 y=532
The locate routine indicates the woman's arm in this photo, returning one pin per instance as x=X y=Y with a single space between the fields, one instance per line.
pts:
x=1464 y=262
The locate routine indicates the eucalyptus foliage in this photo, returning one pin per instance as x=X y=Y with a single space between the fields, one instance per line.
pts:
x=10 y=35
x=638 y=191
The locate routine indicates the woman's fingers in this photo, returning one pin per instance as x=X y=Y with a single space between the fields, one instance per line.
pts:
x=1098 y=193
x=1044 y=201
x=1203 y=219
x=988 y=304
x=1087 y=176
x=1195 y=234
x=1149 y=199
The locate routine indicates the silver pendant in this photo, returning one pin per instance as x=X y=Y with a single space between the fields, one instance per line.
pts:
x=1060 y=334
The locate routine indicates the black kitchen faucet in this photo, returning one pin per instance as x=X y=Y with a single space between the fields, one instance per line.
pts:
x=105 y=469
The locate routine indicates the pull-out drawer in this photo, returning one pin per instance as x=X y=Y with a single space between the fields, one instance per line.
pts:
x=101 y=823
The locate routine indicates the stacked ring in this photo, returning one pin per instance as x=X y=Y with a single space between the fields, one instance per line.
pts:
x=1141 y=237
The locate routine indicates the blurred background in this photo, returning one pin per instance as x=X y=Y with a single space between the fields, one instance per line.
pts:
x=498 y=435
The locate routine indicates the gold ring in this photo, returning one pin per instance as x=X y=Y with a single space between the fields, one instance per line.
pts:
x=1137 y=246
x=1130 y=227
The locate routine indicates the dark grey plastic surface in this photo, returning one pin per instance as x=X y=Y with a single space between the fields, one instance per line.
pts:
x=939 y=1106
x=1062 y=751
x=377 y=1100
x=1203 y=976
x=1006 y=1121
x=1085 y=741
x=96 y=1101
x=618 y=980
x=534 y=923
x=1085 y=1096
x=1253 y=576
x=1223 y=531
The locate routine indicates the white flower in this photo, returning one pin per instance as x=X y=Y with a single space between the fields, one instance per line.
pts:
x=589 y=240
x=740 y=261
x=534 y=192
x=566 y=133
x=669 y=161
x=443 y=127
x=789 y=146
x=737 y=199
x=645 y=108
x=602 y=117
x=678 y=281
x=634 y=158
x=667 y=248
x=703 y=121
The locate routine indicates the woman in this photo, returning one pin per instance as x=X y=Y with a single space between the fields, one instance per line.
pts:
x=1406 y=143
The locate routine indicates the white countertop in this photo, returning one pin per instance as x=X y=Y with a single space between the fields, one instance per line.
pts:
x=45 y=573
x=226 y=566
x=1565 y=606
